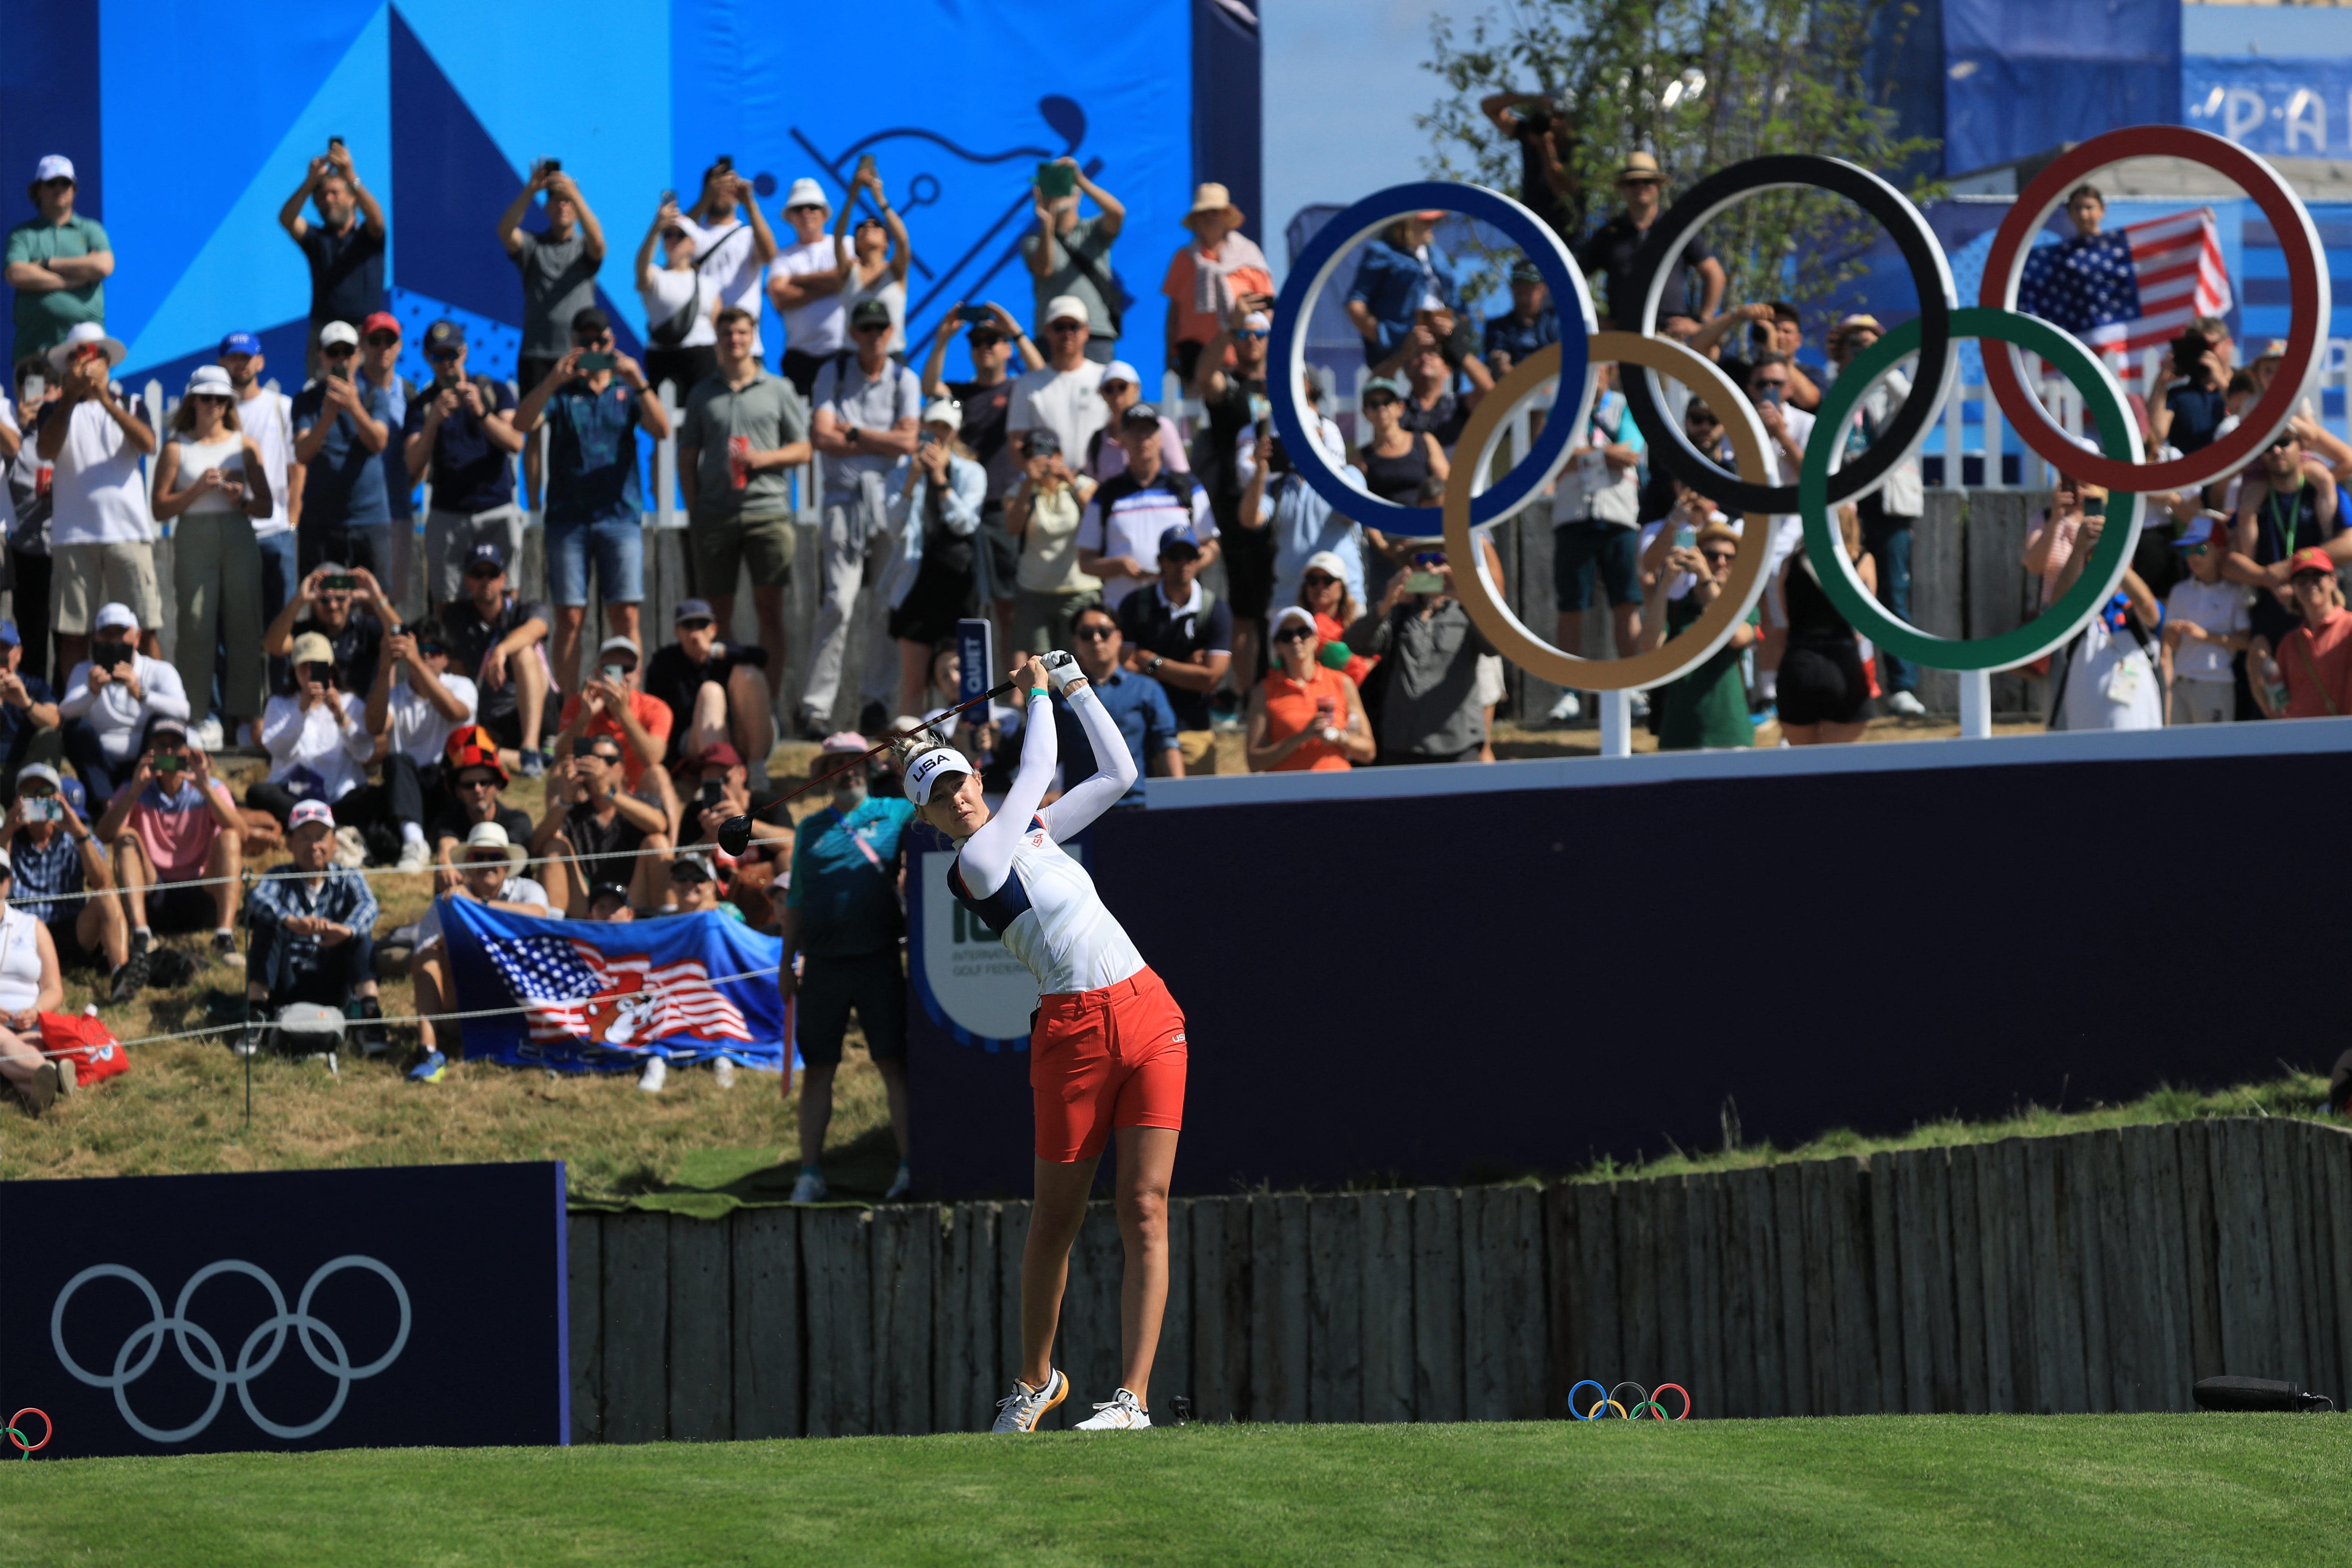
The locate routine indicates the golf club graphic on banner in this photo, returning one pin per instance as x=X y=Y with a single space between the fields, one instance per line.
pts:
x=1826 y=479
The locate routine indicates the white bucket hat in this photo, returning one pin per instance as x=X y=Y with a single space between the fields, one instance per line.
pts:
x=211 y=381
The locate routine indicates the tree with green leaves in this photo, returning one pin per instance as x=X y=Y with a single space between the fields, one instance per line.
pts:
x=1551 y=95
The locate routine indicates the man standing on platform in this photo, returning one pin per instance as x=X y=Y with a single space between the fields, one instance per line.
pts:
x=344 y=247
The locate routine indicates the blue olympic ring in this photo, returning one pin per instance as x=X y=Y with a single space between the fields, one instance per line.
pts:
x=1312 y=270
x=1585 y=1383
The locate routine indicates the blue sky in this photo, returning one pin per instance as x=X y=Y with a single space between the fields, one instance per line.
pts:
x=1343 y=80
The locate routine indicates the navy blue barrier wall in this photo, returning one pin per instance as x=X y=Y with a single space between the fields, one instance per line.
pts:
x=335 y=1310
x=1588 y=957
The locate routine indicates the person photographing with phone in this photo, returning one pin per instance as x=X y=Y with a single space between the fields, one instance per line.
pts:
x=1069 y=255
x=459 y=434
x=1107 y=1052
x=58 y=859
x=343 y=422
x=111 y=698
x=211 y=478
x=174 y=823
x=1430 y=711
x=344 y=248
x=610 y=704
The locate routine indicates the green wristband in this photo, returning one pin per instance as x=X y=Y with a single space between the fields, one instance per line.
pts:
x=1038 y=692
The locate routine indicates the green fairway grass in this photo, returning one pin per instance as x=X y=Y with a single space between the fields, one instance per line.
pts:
x=2144 y=1490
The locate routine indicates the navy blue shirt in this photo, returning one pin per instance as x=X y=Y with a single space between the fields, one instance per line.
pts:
x=15 y=722
x=2197 y=412
x=592 y=454
x=343 y=485
x=470 y=473
x=1521 y=339
x=1139 y=705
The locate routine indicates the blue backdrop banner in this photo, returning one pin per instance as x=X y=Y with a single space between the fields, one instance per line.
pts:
x=604 y=997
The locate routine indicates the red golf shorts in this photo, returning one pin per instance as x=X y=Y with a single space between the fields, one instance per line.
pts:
x=1104 y=1059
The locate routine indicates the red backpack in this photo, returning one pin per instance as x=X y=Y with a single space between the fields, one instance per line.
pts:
x=87 y=1043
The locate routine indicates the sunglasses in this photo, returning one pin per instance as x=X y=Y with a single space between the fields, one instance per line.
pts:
x=600 y=340
x=2199 y=550
x=383 y=340
x=485 y=574
x=442 y=356
x=698 y=623
x=1067 y=327
x=807 y=207
x=873 y=327
x=220 y=398
x=985 y=339
x=338 y=351
x=1319 y=580
x=431 y=650
x=1096 y=633
x=610 y=759
x=1294 y=633
x=479 y=781
x=485 y=858
x=1719 y=557
x=1251 y=333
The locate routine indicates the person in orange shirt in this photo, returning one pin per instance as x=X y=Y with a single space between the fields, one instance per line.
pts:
x=2316 y=658
x=1324 y=589
x=1303 y=717
x=612 y=705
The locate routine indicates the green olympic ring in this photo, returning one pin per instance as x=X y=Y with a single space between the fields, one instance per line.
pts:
x=2118 y=436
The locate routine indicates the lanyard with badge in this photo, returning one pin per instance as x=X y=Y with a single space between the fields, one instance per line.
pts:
x=857 y=837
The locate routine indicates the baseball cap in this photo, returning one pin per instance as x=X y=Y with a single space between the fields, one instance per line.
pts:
x=1178 y=542
x=944 y=411
x=239 y=343
x=1141 y=413
x=721 y=755
x=589 y=322
x=210 y=381
x=690 y=867
x=1287 y=614
x=444 y=333
x=1120 y=369
x=805 y=192
x=692 y=610
x=1526 y=272
x=1382 y=387
x=39 y=773
x=339 y=333
x=486 y=550
x=848 y=741
x=928 y=768
x=627 y=644
x=603 y=890
x=56 y=166
x=869 y=313
x=112 y=615
x=9 y=637
x=2205 y=527
x=311 y=647
x=1066 y=308
x=1040 y=442
x=1328 y=563
x=2310 y=558
x=307 y=811
x=382 y=321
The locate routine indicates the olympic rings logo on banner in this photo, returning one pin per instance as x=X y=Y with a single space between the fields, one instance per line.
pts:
x=1643 y=1399
x=214 y=1367
x=1293 y=420
x=27 y=1450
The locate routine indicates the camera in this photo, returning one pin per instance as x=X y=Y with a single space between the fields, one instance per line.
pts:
x=111 y=655
x=2189 y=350
x=551 y=165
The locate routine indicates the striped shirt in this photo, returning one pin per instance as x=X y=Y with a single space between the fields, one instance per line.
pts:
x=1126 y=518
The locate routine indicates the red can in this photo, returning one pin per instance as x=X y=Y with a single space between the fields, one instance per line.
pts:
x=739 y=460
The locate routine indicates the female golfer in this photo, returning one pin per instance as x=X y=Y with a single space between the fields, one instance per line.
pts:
x=1107 y=1055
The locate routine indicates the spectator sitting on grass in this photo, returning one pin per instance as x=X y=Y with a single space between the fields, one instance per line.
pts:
x=842 y=914
x=1179 y=634
x=609 y=905
x=2206 y=621
x=1305 y=717
x=56 y=858
x=312 y=937
x=721 y=790
x=589 y=812
x=24 y=997
x=2316 y=658
x=1137 y=704
x=111 y=698
x=492 y=874
x=498 y=639
x=318 y=741
x=716 y=691
x=475 y=776
x=1430 y=711
x=174 y=823
x=413 y=708
x=28 y=708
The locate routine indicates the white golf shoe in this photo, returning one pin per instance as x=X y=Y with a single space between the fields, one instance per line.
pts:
x=1122 y=1412
x=1021 y=1410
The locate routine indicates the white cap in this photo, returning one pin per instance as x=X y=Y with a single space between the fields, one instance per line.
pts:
x=1284 y=616
x=56 y=166
x=110 y=615
x=1327 y=562
x=927 y=768
x=307 y=811
x=1065 y=307
x=945 y=411
x=210 y=381
x=628 y=644
x=1257 y=322
x=339 y=333
x=1120 y=369
x=805 y=192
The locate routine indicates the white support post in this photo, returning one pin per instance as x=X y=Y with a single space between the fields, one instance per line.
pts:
x=666 y=459
x=1616 y=723
x=1954 y=437
x=1976 y=704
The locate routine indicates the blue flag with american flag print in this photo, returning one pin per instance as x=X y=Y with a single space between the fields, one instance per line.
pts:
x=591 y=996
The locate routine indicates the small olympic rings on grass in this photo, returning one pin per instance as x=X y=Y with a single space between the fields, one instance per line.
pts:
x=1583 y=1383
x=2309 y=302
x=48 y=1430
x=2101 y=576
x=1312 y=270
x=1678 y=1388
x=1931 y=275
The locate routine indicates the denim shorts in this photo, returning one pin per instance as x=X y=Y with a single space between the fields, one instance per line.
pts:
x=619 y=544
x=1580 y=549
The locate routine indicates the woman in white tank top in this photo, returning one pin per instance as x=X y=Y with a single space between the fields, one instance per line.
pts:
x=878 y=257
x=1108 y=1054
x=30 y=985
x=210 y=476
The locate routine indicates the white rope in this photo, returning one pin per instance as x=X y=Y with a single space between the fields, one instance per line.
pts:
x=390 y=1018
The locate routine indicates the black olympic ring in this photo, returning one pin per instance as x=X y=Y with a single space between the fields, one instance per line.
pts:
x=214 y=1368
x=1930 y=273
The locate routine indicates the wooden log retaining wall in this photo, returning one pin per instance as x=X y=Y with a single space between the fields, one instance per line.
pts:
x=2098 y=1271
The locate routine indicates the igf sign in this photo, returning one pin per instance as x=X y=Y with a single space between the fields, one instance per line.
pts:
x=288 y=1309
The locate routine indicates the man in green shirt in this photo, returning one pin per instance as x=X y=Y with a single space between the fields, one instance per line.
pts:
x=57 y=264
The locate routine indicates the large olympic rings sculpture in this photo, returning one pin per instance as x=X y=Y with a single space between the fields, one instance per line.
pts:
x=1824 y=481
x=214 y=1366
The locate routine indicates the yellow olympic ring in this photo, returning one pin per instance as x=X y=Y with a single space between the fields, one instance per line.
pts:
x=1696 y=642
x=1594 y=1413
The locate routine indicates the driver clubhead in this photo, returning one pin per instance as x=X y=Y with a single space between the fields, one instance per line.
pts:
x=735 y=834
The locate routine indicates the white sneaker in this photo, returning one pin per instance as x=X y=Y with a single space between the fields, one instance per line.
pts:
x=208 y=733
x=724 y=1071
x=351 y=848
x=1021 y=1410
x=416 y=855
x=1122 y=1412
x=1638 y=706
x=810 y=1188
x=900 y=1184
x=1567 y=710
x=1909 y=706
x=656 y=1074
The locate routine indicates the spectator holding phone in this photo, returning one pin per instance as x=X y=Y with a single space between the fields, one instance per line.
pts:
x=1069 y=255
x=1404 y=273
x=1430 y=711
x=681 y=339
x=2190 y=396
x=612 y=706
x=343 y=424
x=877 y=256
x=1041 y=514
x=558 y=265
x=2108 y=678
x=1305 y=717
x=344 y=248
x=497 y=637
x=28 y=708
x=591 y=813
x=174 y=823
x=460 y=433
x=2315 y=660
x=100 y=532
x=57 y=860
x=933 y=581
x=212 y=477
x=732 y=243
x=593 y=401
x=110 y=698
x=414 y=706
x=341 y=604
x=319 y=741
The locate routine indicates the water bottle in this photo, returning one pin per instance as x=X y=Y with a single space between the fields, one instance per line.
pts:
x=2274 y=683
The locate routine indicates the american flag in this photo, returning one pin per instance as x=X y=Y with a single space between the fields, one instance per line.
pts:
x=576 y=993
x=2135 y=288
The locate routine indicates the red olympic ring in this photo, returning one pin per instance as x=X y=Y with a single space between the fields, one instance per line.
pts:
x=48 y=1430
x=1661 y=1410
x=2308 y=304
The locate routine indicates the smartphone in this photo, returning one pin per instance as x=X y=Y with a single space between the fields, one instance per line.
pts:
x=2095 y=506
x=551 y=165
x=340 y=580
x=974 y=315
x=865 y=163
x=340 y=372
x=1686 y=537
x=167 y=762
x=712 y=791
x=1055 y=180
x=926 y=440
x=333 y=143
x=668 y=199
x=36 y=388
x=614 y=673
x=724 y=161
x=1424 y=583
x=591 y=363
